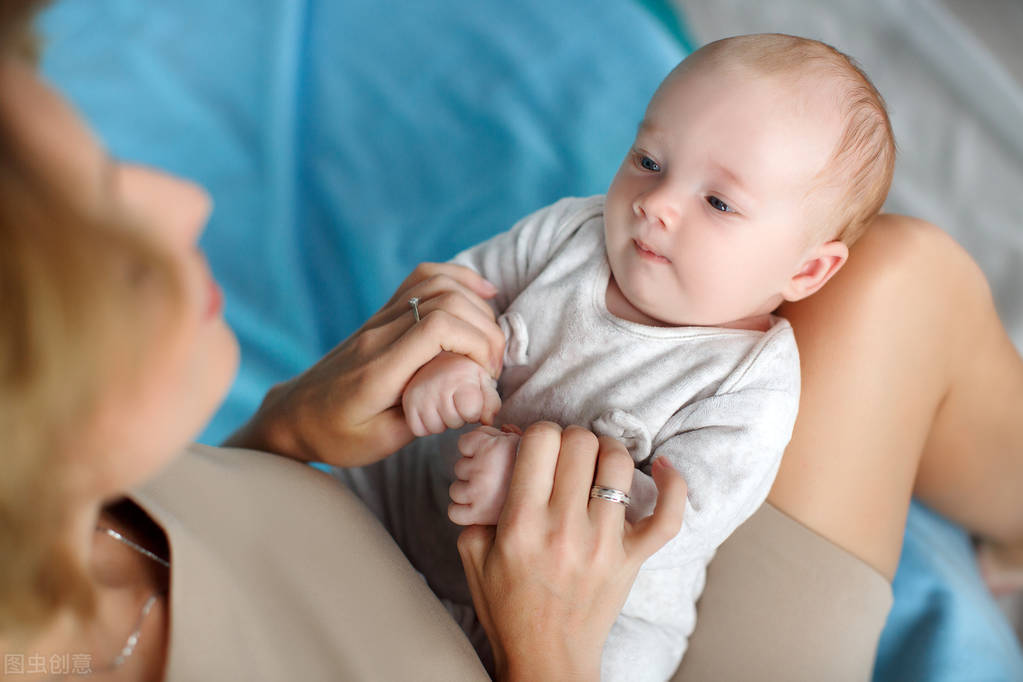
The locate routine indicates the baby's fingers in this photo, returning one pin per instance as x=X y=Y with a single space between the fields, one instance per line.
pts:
x=469 y=444
x=465 y=467
x=432 y=420
x=491 y=402
x=649 y=534
x=468 y=402
x=415 y=422
x=462 y=514
x=460 y=492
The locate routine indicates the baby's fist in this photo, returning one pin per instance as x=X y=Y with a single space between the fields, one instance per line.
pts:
x=449 y=392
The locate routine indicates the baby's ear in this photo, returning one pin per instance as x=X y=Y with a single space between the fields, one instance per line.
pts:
x=821 y=265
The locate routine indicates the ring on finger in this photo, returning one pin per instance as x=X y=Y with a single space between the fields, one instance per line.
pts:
x=610 y=494
x=414 y=304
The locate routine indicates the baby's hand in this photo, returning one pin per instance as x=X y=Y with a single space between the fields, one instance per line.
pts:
x=483 y=474
x=448 y=392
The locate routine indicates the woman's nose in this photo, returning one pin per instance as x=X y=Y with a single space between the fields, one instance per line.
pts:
x=176 y=207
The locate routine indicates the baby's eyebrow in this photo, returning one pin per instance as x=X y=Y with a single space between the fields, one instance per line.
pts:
x=646 y=126
x=731 y=177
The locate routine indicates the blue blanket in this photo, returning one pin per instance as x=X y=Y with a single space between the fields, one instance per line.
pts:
x=344 y=141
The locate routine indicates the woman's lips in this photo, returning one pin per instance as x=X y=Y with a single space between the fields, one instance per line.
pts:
x=215 y=300
x=646 y=252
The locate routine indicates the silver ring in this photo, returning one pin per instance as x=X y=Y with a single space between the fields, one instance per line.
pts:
x=610 y=494
x=414 y=304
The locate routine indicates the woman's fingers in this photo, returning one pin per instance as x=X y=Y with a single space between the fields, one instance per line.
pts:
x=395 y=319
x=465 y=276
x=550 y=574
x=462 y=307
x=474 y=544
x=385 y=433
x=429 y=279
x=533 y=477
x=648 y=535
x=573 y=477
x=419 y=343
x=614 y=470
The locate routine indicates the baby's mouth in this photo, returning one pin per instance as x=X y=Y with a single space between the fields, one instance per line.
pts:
x=646 y=252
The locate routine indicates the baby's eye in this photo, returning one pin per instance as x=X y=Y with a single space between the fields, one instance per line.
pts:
x=719 y=205
x=647 y=163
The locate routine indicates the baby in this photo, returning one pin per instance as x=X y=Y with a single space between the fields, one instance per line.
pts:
x=647 y=314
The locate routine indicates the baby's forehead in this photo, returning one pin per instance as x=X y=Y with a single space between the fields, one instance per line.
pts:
x=802 y=96
x=801 y=84
x=753 y=120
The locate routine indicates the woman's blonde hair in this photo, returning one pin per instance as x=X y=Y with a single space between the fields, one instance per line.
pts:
x=72 y=289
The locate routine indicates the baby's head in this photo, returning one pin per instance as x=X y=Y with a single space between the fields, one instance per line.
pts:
x=759 y=161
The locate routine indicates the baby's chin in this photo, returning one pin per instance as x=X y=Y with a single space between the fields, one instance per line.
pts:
x=655 y=316
x=642 y=314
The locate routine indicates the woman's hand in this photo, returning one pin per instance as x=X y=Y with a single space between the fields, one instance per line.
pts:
x=552 y=577
x=346 y=409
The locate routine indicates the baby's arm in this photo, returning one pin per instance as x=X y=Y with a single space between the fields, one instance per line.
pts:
x=728 y=448
x=482 y=475
x=450 y=391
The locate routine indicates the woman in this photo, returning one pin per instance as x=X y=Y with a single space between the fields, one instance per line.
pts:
x=855 y=458
x=115 y=354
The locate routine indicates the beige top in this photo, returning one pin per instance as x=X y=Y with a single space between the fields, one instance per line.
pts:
x=335 y=599
x=279 y=573
x=784 y=603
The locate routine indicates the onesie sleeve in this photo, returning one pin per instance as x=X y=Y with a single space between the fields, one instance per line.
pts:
x=728 y=447
x=512 y=259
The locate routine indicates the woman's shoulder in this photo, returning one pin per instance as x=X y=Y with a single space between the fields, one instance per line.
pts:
x=273 y=562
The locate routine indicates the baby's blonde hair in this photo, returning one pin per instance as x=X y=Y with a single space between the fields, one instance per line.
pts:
x=863 y=162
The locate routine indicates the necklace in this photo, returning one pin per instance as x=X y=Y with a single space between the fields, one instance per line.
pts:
x=137 y=547
x=133 y=639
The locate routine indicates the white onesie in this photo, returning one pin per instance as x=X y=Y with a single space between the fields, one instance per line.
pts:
x=719 y=403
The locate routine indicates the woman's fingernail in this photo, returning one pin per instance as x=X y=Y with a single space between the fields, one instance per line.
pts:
x=489 y=288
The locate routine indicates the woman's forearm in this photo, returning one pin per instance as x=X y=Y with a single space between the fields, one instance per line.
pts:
x=547 y=667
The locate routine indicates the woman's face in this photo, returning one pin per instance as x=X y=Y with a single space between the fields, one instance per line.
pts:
x=143 y=421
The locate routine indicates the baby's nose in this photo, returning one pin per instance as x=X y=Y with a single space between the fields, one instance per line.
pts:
x=658 y=213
